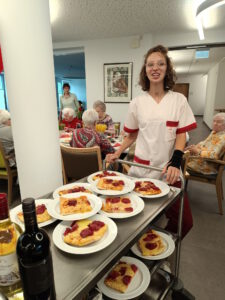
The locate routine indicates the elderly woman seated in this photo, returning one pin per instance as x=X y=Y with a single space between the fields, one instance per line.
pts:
x=88 y=137
x=103 y=118
x=69 y=120
x=212 y=147
x=6 y=136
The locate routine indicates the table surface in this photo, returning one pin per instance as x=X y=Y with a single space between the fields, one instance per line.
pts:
x=75 y=275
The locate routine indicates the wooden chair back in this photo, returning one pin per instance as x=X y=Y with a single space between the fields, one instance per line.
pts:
x=80 y=162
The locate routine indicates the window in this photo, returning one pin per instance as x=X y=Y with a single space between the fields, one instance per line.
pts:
x=3 y=95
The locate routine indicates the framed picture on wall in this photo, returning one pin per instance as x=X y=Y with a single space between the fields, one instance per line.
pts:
x=118 y=82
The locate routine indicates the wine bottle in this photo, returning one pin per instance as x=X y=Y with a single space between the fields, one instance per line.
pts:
x=10 y=282
x=34 y=258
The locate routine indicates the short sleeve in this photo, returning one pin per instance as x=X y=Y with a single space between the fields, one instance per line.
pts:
x=131 y=123
x=186 y=120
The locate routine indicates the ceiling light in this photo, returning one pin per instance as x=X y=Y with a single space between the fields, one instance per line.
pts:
x=202 y=7
x=200 y=53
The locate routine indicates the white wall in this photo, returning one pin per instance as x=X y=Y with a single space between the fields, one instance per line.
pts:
x=211 y=95
x=220 y=92
x=197 y=91
x=98 y=52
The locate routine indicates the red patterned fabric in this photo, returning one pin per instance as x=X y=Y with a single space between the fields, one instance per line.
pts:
x=73 y=123
x=1 y=62
x=87 y=137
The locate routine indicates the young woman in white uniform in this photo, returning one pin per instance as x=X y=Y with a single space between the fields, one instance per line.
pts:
x=158 y=120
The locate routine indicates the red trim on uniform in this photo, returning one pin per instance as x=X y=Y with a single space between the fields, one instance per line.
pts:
x=186 y=128
x=129 y=130
x=172 y=123
x=141 y=161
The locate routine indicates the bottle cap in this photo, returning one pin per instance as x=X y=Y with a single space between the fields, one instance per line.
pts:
x=28 y=205
x=4 y=211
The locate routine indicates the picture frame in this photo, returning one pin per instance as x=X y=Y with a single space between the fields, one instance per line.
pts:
x=118 y=82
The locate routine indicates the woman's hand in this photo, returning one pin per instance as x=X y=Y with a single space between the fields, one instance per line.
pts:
x=193 y=149
x=110 y=158
x=172 y=174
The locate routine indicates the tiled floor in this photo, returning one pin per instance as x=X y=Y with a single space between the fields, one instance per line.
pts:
x=202 y=267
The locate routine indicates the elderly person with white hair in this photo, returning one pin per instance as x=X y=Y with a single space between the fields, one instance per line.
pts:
x=6 y=136
x=103 y=117
x=88 y=137
x=212 y=147
x=69 y=120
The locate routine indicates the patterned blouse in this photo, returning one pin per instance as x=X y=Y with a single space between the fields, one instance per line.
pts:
x=87 y=137
x=212 y=147
x=108 y=122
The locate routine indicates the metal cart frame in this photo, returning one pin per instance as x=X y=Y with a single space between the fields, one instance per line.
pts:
x=177 y=283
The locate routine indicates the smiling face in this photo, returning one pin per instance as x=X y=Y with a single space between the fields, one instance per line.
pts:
x=156 y=68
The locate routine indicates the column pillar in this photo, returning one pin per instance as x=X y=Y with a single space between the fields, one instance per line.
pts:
x=26 y=44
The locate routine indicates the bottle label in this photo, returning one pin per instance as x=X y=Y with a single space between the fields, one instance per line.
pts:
x=37 y=278
x=9 y=273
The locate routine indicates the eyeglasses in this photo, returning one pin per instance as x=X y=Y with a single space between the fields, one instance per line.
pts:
x=158 y=64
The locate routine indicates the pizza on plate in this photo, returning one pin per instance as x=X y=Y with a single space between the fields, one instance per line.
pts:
x=110 y=184
x=151 y=244
x=41 y=213
x=120 y=277
x=117 y=205
x=146 y=188
x=74 y=189
x=70 y=206
x=84 y=232
x=103 y=174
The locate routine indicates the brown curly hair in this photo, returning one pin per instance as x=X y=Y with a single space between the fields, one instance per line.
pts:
x=170 y=77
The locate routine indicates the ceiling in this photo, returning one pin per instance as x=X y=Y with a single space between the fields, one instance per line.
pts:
x=185 y=63
x=74 y=20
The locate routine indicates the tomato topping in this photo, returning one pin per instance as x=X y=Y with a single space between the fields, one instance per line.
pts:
x=86 y=232
x=116 y=183
x=126 y=200
x=108 y=180
x=129 y=209
x=127 y=279
x=121 y=182
x=115 y=200
x=137 y=184
x=143 y=189
x=150 y=237
x=73 y=223
x=113 y=274
x=134 y=268
x=151 y=246
x=67 y=231
x=122 y=270
x=40 y=209
x=96 y=225
x=72 y=202
x=74 y=227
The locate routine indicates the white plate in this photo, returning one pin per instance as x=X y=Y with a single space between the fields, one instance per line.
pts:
x=136 y=202
x=128 y=187
x=160 y=184
x=138 y=285
x=69 y=186
x=168 y=242
x=95 y=201
x=17 y=209
x=105 y=241
x=91 y=181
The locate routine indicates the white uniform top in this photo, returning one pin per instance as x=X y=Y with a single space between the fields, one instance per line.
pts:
x=157 y=125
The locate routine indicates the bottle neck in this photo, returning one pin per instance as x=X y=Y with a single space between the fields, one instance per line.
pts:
x=30 y=221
